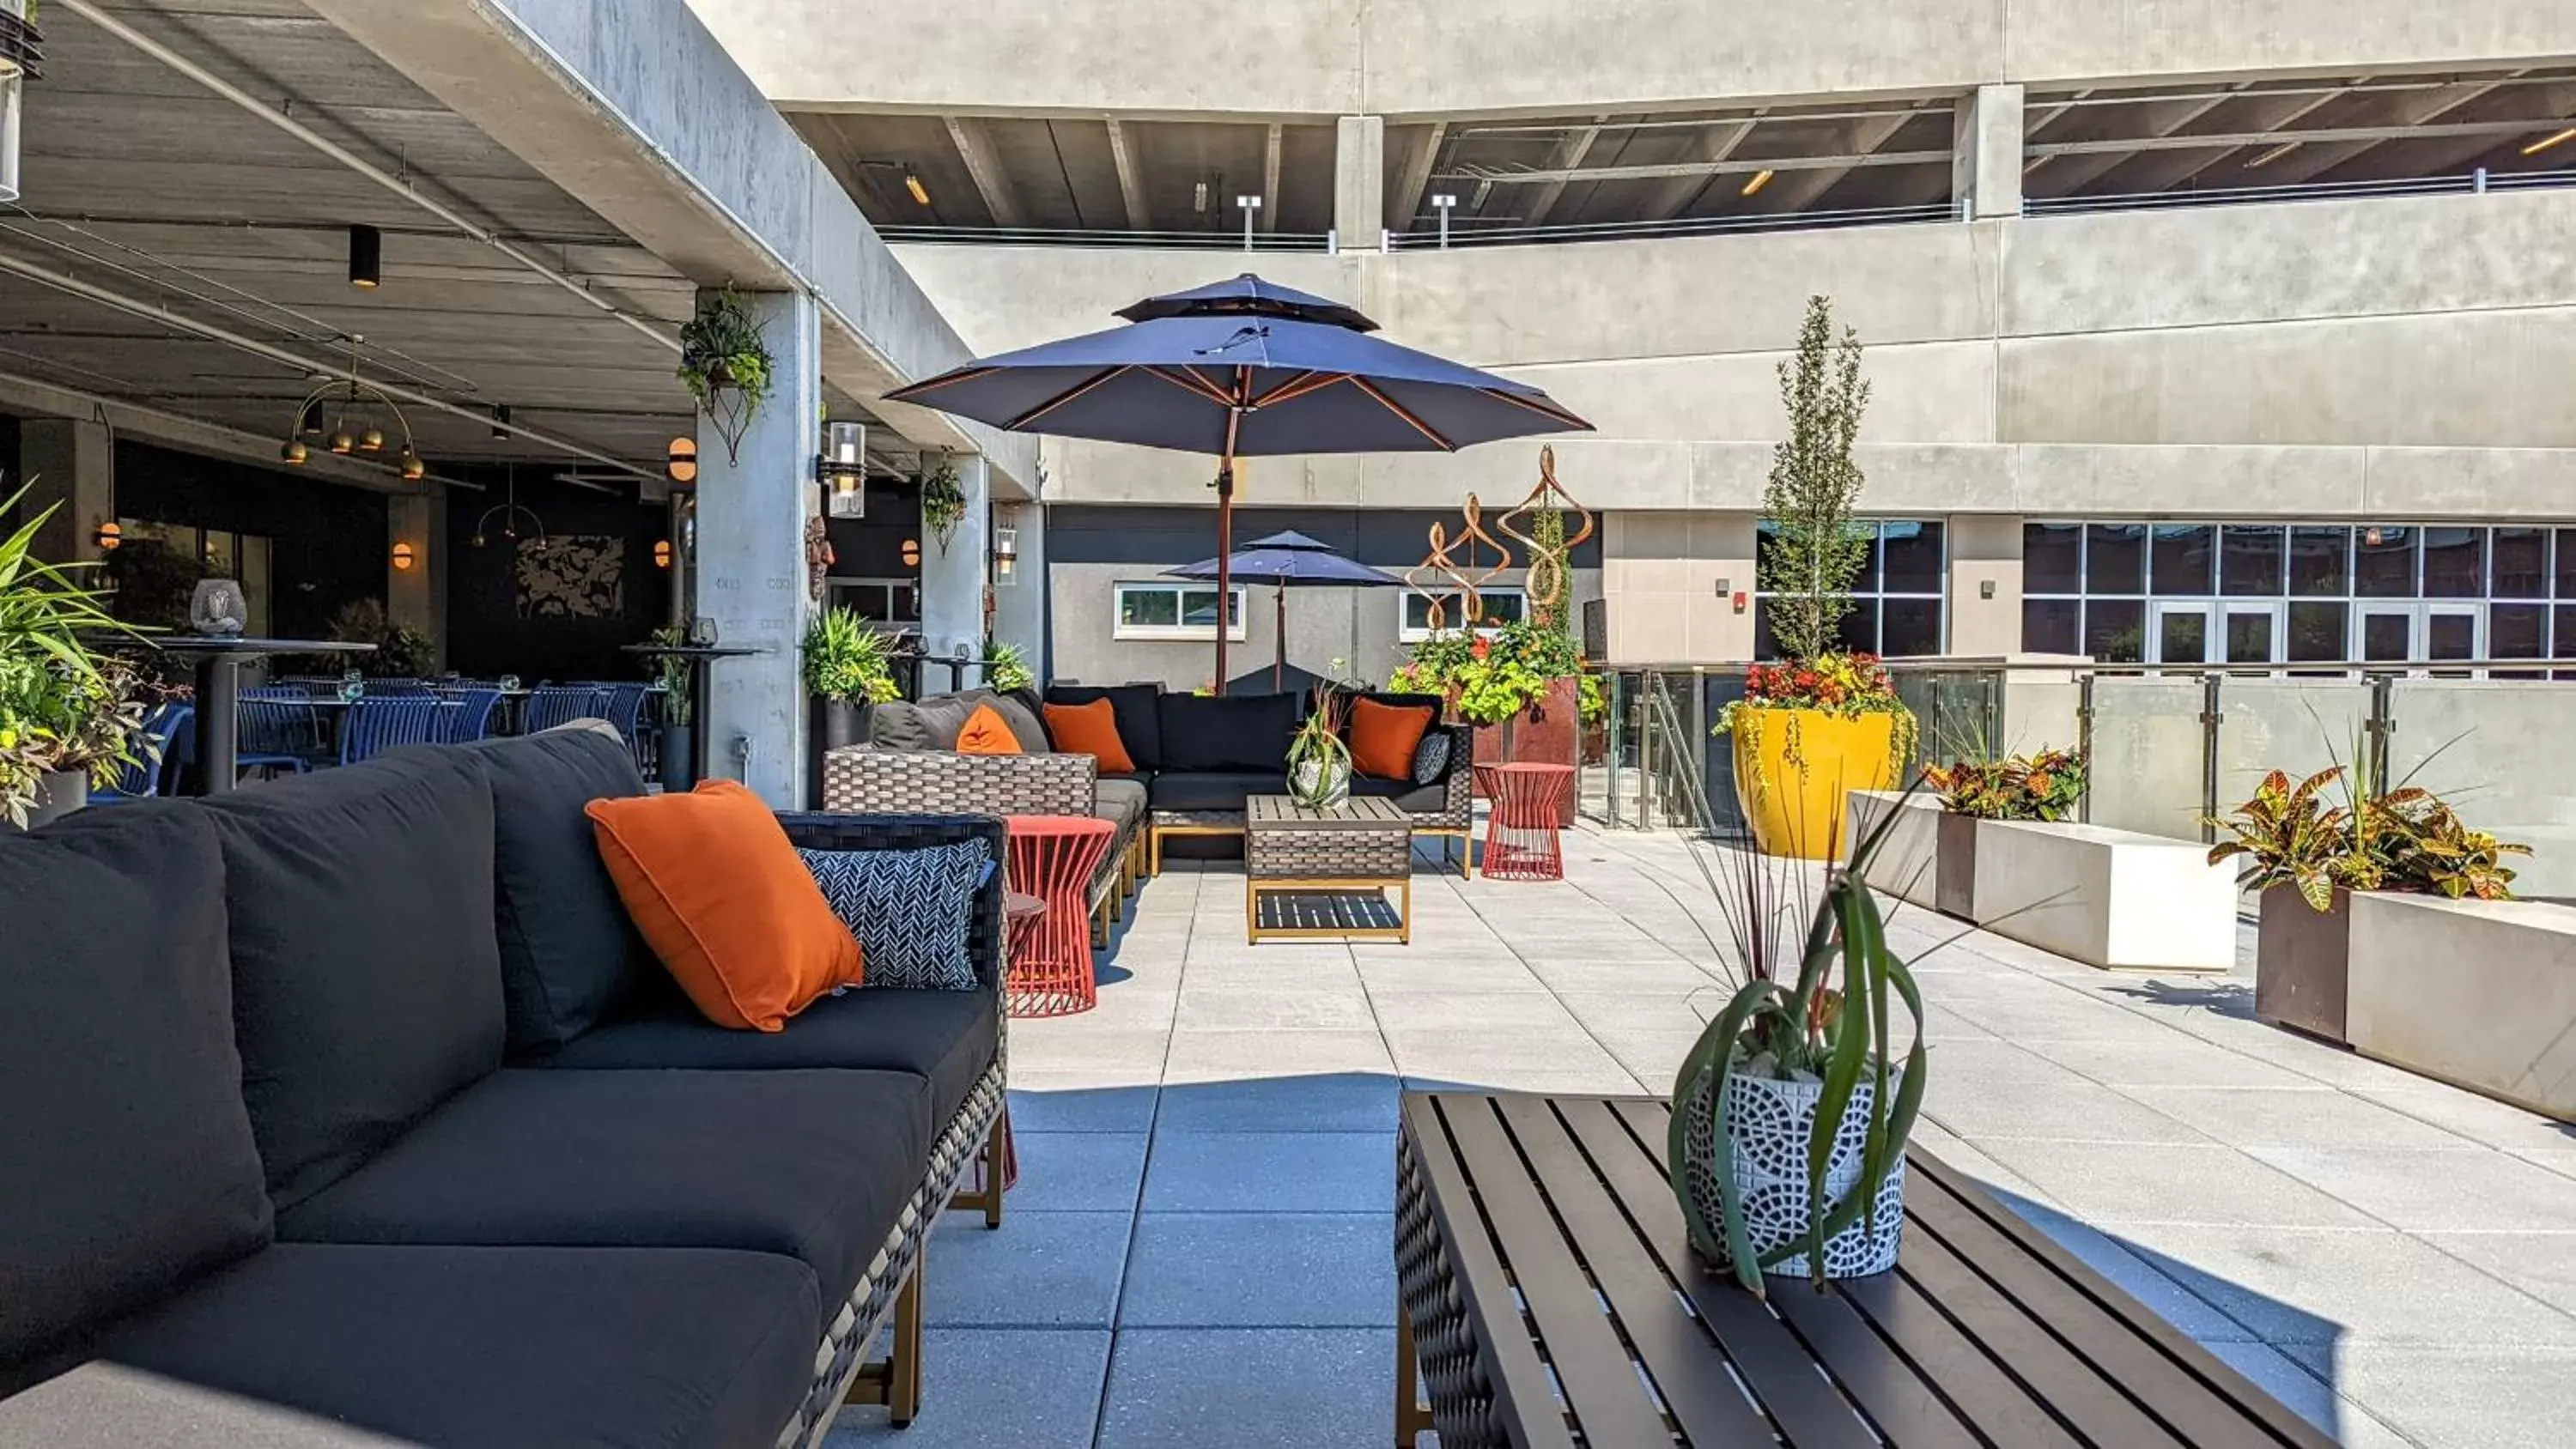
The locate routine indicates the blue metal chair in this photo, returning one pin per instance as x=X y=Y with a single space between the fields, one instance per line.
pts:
x=622 y=705
x=560 y=704
x=472 y=712
x=399 y=688
x=375 y=725
x=279 y=729
x=163 y=728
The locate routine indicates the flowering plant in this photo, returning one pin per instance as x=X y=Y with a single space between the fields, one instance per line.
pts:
x=2044 y=786
x=1491 y=678
x=1843 y=685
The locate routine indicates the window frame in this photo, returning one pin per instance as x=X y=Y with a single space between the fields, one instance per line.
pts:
x=1873 y=601
x=1407 y=633
x=1180 y=589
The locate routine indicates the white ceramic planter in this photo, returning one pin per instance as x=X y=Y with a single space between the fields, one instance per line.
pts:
x=1908 y=862
x=1770 y=1122
x=2481 y=994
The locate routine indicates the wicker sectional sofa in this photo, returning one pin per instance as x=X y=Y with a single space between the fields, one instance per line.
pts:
x=351 y=1109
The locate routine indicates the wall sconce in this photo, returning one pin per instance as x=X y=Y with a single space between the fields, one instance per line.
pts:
x=403 y=556
x=912 y=553
x=683 y=461
x=110 y=533
x=1006 y=554
x=661 y=553
x=842 y=466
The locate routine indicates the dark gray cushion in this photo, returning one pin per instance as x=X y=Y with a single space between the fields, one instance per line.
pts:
x=569 y=951
x=1233 y=732
x=1135 y=707
x=950 y=1037
x=813 y=1165
x=501 y=1348
x=899 y=725
x=366 y=970
x=126 y=1158
x=1409 y=797
x=1119 y=798
x=910 y=909
x=1023 y=712
x=1213 y=789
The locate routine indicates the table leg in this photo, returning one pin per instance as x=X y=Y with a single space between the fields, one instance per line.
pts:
x=218 y=723
x=1410 y=1420
x=699 y=669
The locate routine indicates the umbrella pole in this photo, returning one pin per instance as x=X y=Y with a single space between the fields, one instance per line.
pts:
x=1224 y=556
x=1279 y=659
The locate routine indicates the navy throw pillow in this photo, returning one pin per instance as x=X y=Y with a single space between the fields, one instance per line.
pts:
x=1431 y=757
x=910 y=909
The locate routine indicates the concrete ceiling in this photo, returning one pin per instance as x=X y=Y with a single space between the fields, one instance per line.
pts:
x=139 y=181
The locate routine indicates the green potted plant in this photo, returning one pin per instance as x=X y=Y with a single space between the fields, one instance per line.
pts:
x=678 y=745
x=943 y=500
x=1006 y=669
x=726 y=365
x=846 y=673
x=68 y=714
x=1823 y=722
x=1319 y=757
x=1791 y=1111
x=2045 y=787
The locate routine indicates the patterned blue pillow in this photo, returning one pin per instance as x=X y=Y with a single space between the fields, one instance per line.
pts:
x=910 y=909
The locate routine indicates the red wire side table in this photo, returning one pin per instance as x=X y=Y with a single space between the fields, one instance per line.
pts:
x=1052 y=857
x=1521 y=837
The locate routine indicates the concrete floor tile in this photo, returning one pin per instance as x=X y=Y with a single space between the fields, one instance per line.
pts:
x=1656 y=974
x=2323 y=1285
x=2474 y=1187
x=1356 y=1102
x=1072 y=1044
x=2173 y=1060
x=1243 y=1270
x=2465 y=1396
x=2479 y=1119
x=1271 y=1172
x=1249 y=1388
x=2055 y=1104
x=1225 y=1056
x=1403 y=968
x=2110 y=1183
x=1338 y=1007
x=1037 y=1270
x=1029 y=1389
x=1077 y=1172
x=1508 y=1011
x=2301 y=1117
x=1038 y=1107
x=2542 y=1264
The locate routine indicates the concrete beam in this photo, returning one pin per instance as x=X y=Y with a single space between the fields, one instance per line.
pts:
x=2309 y=162
x=22 y=394
x=1406 y=203
x=1359 y=182
x=984 y=164
x=1131 y=187
x=1713 y=145
x=2068 y=174
x=1270 y=176
x=1567 y=156
x=1805 y=186
x=1985 y=166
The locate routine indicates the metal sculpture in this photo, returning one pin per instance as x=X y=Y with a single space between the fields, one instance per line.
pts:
x=1466 y=585
x=1549 y=549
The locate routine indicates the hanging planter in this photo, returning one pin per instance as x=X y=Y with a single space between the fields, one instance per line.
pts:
x=943 y=501
x=726 y=365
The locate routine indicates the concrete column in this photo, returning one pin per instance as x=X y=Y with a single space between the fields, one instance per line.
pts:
x=70 y=464
x=752 y=508
x=1985 y=156
x=1985 y=583
x=417 y=596
x=1668 y=585
x=1020 y=606
x=953 y=577
x=1359 y=182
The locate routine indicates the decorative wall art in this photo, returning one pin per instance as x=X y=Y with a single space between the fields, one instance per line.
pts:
x=571 y=576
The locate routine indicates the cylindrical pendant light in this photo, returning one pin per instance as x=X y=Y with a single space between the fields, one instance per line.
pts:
x=366 y=257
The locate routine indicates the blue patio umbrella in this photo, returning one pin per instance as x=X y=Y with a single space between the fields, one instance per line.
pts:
x=1286 y=560
x=1243 y=368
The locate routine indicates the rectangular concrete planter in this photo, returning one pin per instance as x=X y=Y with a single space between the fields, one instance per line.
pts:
x=2481 y=994
x=1954 y=870
x=2303 y=963
x=1908 y=862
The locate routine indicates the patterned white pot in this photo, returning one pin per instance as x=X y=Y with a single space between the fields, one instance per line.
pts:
x=1325 y=793
x=1770 y=1121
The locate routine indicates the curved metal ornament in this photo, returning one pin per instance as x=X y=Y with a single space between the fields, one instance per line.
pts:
x=1550 y=578
x=1468 y=585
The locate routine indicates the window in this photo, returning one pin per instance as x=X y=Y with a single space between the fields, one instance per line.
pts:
x=1174 y=611
x=1898 y=606
x=244 y=557
x=1499 y=606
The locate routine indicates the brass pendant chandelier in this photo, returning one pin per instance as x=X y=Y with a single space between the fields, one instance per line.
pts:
x=358 y=414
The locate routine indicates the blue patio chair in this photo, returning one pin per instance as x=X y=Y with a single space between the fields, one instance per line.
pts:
x=471 y=717
x=163 y=729
x=279 y=729
x=375 y=725
x=560 y=704
x=399 y=688
x=622 y=705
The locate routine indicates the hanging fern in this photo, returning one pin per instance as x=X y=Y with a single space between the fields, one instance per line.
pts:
x=726 y=365
x=943 y=501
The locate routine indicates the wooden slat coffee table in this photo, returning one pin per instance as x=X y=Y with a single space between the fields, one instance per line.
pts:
x=1335 y=865
x=1547 y=1286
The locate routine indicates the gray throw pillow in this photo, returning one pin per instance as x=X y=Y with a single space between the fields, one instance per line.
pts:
x=910 y=909
x=897 y=725
x=1431 y=757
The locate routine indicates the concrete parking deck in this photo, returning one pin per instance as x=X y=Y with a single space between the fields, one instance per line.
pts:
x=1199 y=1250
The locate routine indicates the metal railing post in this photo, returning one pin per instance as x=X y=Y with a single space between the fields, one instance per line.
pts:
x=2210 y=719
x=2377 y=729
x=2084 y=745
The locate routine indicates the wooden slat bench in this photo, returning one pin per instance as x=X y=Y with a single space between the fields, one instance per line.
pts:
x=1549 y=1292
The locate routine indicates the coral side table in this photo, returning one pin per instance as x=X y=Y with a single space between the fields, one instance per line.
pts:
x=1053 y=857
x=1521 y=839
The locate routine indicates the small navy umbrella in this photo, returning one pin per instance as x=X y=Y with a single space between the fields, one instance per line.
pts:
x=1289 y=559
x=1243 y=368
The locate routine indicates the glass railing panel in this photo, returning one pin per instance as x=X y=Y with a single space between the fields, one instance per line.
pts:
x=2497 y=750
x=2147 y=762
x=2296 y=726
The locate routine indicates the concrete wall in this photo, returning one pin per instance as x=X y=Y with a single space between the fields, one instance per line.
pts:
x=1429 y=57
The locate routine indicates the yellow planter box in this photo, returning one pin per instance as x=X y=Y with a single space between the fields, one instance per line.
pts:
x=1795 y=770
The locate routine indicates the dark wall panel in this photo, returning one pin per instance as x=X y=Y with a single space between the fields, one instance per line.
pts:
x=489 y=631
x=328 y=545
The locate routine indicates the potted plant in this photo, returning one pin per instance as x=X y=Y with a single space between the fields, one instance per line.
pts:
x=2307 y=855
x=1791 y=1111
x=846 y=672
x=1006 y=669
x=1822 y=722
x=2046 y=787
x=68 y=715
x=726 y=365
x=1319 y=758
x=678 y=759
x=943 y=500
x=1522 y=686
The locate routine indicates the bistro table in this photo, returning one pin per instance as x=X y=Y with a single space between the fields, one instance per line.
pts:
x=701 y=659
x=1527 y=803
x=218 y=659
x=1547 y=1289
x=1053 y=858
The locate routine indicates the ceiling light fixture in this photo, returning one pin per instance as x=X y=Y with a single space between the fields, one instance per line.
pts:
x=912 y=183
x=356 y=423
x=509 y=512
x=366 y=257
x=2545 y=142
x=2275 y=154
x=500 y=421
x=1760 y=179
x=1198 y=196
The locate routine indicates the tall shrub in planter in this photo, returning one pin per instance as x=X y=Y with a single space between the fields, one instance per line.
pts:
x=846 y=672
x=1825 y=722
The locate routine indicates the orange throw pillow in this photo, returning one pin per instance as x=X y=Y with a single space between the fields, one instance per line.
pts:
x=1384 y=737
x=987 y=733
x=723 y=899
x=1090 y=729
